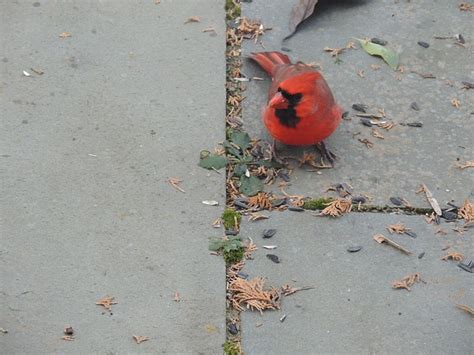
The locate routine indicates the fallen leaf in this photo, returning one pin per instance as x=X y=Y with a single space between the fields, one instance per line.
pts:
x=407 y=281
x=106 y=302
x=140 y=339
x=192 y=19
x=432 y=201
x=388 y=55
x=300 y=12
x=175 y=183
x=64 y=35
x=250 y=186
x=212 y=161
x=380 y=238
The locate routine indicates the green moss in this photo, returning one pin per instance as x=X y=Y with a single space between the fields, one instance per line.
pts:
x=232 y=9
x=229 y=217
x=233 y=256
x=317 y=203
x=231 y=348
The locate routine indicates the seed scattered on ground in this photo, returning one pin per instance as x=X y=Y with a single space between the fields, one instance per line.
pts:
x=407 y=281
x=423 y=44
x=415 y=106
x=414 y=124
x=68 y=331
x=379 y=41
x=268 y=233
x=354 y=249
x=360 y=107
x=273 y=258
x=421 y=255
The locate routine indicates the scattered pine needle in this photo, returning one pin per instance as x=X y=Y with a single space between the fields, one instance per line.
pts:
x=252 y=295
x=175 y=183
x=260 y=201
x=176 y=297
x=337 y=208
x=466 y=212
x=380 y=238
x=192 y=19
x=407 y=281
x=251 y=247
x=397 y=228
x=287 y=290
x=467 y=164
x=67 y=337
x=453 y=256
x=257 y=217
x=140 y=339
x=65 y=34
x=456 y=103
x=377 y=134
x=466 y=308
x=106 y=302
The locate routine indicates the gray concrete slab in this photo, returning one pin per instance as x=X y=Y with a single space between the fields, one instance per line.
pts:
x=126 y=102
x=353 y=308
x=407 y=156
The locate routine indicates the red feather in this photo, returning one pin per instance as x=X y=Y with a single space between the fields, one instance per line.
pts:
x=301 y=109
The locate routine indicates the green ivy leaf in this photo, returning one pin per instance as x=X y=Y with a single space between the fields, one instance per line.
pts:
x=390 y=56
x=242 y=139
x=250 y=185
x=240 y=170
x=212 y=161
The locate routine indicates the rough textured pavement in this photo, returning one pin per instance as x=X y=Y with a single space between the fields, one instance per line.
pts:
x=407 y=156
x=86 y=151
x=352 y=308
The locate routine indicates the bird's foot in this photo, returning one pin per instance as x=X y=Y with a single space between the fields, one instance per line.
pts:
x=275 y=156
x=326 y=154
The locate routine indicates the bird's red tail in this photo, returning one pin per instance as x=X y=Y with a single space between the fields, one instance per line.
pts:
x=270 y=60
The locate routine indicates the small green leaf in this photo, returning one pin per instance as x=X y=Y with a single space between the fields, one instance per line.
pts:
x=215 y=244
x=212 y=161
x=390 y=56
x=250 y=185
x=240 y=169
x=242 y=139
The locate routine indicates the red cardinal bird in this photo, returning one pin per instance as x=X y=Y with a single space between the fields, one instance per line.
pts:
x=301 y=109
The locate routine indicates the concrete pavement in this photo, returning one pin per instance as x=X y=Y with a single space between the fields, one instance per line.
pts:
x=125 y=103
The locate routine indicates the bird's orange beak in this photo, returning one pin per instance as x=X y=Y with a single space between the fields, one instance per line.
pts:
x=278 y=101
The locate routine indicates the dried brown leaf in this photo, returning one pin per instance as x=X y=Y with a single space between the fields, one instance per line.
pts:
x=407 y=281
x=300 y=12
x=140 y=338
